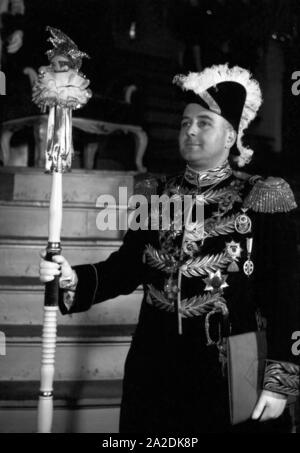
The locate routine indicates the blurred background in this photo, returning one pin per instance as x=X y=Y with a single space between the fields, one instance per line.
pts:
x=125 y=136
x=137 y=46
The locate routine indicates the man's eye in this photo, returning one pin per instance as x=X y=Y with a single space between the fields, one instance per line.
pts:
x=203 y=123
x=184 y=123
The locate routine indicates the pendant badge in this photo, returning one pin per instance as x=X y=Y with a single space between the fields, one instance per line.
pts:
x=248 y=267
x=233 y=250
x=248 y=264
x=243 y=223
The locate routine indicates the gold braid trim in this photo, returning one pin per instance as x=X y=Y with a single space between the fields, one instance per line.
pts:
x=282 y=377
x=214 y=196
x=271 y=195
x=196 y=306
x=223 y=226
x=157 y=298
x=204 y=265
x=162 y=261
x=200 y=305
x=210 y=196
x=207 y=177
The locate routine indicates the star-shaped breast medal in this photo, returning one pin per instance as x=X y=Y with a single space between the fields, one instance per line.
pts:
x=215 y=281
x=233 y=249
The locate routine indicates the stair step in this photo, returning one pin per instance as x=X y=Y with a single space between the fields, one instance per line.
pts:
x=65 y=420
x=79 y=406
x=78 y=333
x=75 y=333
x=67 y=393
x=81 y=186
x=20 y=257
x=75 y=359
x=22 y=300
x=20 y=284
x=30 y=219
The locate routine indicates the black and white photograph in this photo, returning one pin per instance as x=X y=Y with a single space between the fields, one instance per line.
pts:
x=149 y=219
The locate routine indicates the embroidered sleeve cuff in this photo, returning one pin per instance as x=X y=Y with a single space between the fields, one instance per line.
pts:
x=68 y=299
x=69 y=283
x=84 y=295
x=282 y=377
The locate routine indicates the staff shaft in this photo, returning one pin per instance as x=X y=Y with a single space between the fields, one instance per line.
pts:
x=45 y=405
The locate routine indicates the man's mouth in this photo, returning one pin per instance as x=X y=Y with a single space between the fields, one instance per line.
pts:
x=192 y=144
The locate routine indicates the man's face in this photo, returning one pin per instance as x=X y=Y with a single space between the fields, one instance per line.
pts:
x=202 y=137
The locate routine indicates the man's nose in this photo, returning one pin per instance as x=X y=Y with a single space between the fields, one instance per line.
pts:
x=192 y=130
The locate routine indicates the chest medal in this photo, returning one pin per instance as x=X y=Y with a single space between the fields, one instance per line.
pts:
x=248 y=264
x=234 y=250
x=248 y=267
x=243 y=223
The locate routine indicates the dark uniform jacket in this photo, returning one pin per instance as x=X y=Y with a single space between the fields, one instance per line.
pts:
x=176 y=383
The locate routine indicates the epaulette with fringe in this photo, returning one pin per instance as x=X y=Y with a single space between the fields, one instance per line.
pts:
x=270 y=195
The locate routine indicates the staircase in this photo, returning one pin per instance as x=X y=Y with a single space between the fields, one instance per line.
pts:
x=91 y=346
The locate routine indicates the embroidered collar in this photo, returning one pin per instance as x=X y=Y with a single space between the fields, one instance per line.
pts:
x=208 y=177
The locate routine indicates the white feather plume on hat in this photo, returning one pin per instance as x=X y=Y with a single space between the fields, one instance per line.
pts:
x=201 y=81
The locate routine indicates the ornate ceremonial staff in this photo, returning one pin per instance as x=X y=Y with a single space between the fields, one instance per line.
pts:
x=62 y=88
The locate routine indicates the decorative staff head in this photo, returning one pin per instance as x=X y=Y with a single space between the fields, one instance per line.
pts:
x=62 y=88
x=65 y=51
x=61 y=83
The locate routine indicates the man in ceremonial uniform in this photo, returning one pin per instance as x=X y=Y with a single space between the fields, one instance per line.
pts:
x=216 y=276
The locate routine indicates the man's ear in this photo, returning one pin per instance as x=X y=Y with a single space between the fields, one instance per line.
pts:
x=231 y=137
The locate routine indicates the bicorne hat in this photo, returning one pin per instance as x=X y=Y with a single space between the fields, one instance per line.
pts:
x=229 y=92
